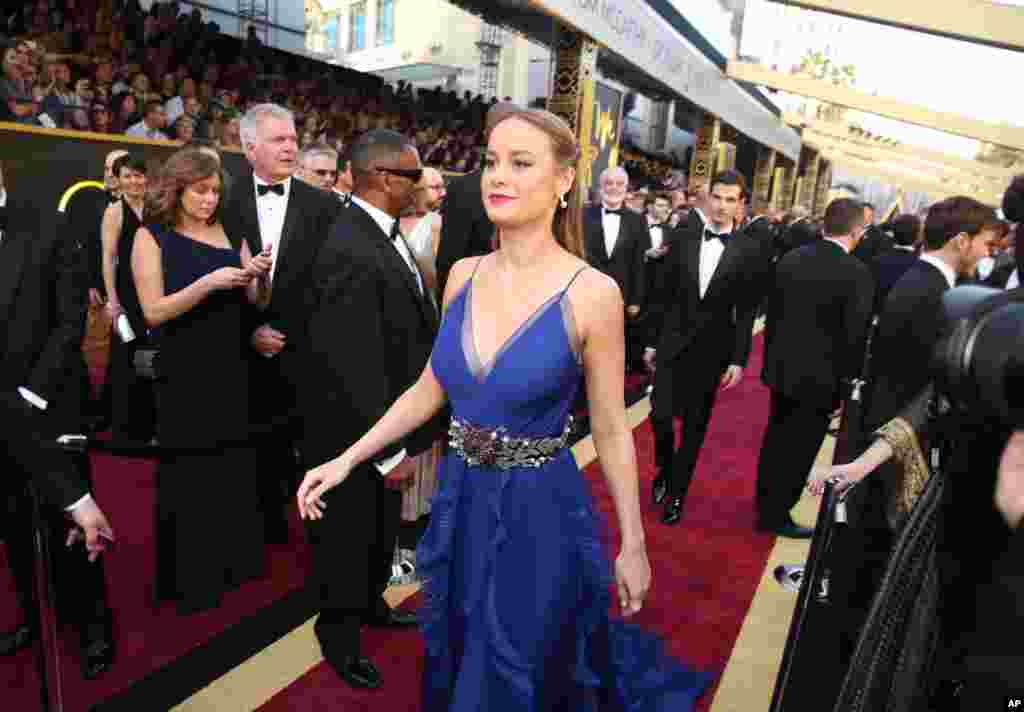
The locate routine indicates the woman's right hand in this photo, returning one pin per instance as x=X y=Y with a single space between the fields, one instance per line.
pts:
x=843 y=476
x=318 y=482
x=227 y=278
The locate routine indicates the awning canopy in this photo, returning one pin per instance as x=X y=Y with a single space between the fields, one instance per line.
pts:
x=651 y=55
x=416 y=72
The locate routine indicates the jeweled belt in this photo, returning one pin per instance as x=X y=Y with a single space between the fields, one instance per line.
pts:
x=494 y=447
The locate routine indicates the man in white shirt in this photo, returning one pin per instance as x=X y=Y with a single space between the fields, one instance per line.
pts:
x=699 y=327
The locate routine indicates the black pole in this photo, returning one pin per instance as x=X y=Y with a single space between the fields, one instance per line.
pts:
x=48 y=652
x=814 y=570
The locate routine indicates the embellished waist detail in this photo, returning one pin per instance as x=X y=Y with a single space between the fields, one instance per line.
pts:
x=494 y=447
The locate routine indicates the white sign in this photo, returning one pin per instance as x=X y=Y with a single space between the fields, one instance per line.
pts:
x=640 y=35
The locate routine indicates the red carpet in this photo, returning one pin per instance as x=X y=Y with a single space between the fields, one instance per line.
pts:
x=146 y=639
x=706 y=569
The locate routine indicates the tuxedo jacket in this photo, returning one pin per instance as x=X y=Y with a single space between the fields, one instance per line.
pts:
x=653 y=267
x=370 y=336
x=308 y=220
x=466 y=230
x=909 y=327
x=887 y=269
x=874 y=243
x=626 y=263
x=715 y=330
x=43 y=298
x=817 y=318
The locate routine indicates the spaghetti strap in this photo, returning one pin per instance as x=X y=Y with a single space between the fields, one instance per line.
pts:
x=476 y=267
x=580 y=270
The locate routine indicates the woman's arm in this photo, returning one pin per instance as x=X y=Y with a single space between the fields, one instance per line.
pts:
x=601 y=316
x=602 y=328
x=110 y=234
x=159 y=308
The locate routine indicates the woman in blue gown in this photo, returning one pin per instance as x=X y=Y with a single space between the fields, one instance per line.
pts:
x=517 y=588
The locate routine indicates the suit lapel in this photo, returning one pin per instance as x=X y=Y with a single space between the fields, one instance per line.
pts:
x=291 y=216
x=691 y=256
x=249 y=216
x=394 y=262
x=725 y=263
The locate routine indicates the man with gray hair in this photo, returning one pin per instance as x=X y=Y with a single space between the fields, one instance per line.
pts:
x=318 y=166
x=290 y=220
x=615 y=239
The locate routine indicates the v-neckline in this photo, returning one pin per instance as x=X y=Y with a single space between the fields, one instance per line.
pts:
x=480 y=371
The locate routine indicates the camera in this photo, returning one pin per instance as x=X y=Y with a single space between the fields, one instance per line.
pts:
x=979 y=361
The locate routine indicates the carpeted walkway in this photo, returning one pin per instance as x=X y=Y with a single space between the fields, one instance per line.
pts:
x=706 y=570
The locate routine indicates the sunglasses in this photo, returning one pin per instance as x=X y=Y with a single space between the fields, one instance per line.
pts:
x=413 y=174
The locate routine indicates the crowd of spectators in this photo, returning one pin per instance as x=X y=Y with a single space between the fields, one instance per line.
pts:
x=108 y=66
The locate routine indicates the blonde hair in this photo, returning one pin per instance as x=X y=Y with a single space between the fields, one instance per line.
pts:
x=568 y=223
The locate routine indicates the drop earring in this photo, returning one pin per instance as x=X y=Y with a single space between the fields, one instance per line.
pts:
x=563 y=203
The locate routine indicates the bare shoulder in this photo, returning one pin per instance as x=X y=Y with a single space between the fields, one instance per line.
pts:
x=146 y=238
x=114 y=211
x=458 y=276
x=593 y=291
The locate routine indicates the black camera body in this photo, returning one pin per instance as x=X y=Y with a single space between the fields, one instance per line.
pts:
x=979 y=362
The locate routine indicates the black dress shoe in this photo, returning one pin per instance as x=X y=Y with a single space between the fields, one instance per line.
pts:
x=97 y=659
x=358 y=672
x=659 y=488
x=14 y=640
x=393 y=619
x=673 y=511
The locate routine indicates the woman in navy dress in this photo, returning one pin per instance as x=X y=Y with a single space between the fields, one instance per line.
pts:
x=517 y=589
x=193 y=287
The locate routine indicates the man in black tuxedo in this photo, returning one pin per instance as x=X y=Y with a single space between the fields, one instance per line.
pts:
x=875 y=240
x=371 y=330
x=465 y=228
x=894 y=261
x=958 y=233
x=817 y=319
x=269 y=209
x=42 y=391
x=615 y=239
x=701 y=321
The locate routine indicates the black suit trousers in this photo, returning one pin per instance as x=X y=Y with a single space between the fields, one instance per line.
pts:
x=687 y=390
x=791 y=442
x=357 y=533
x=80 y=586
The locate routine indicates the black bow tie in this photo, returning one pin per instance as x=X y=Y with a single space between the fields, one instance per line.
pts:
x=614 y=211
x=724 y=237
x=276 y=188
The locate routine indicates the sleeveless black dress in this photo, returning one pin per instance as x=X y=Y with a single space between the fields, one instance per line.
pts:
x=132 y=402
x=210 y=528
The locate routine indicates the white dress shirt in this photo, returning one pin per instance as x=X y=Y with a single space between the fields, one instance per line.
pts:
x=387 y=224
x=1014 y=281
x=938 y=264
x=657 y=235
x=270 y=210
x=611 y=224
x=711 y=252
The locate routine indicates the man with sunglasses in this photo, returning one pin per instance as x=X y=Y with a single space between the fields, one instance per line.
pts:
x=372 y=325
x=318 y=166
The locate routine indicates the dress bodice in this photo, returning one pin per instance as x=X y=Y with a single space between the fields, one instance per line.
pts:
x=531 y=383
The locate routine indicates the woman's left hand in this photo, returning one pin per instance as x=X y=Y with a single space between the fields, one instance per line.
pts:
x=632 y=579
x=259 y=265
